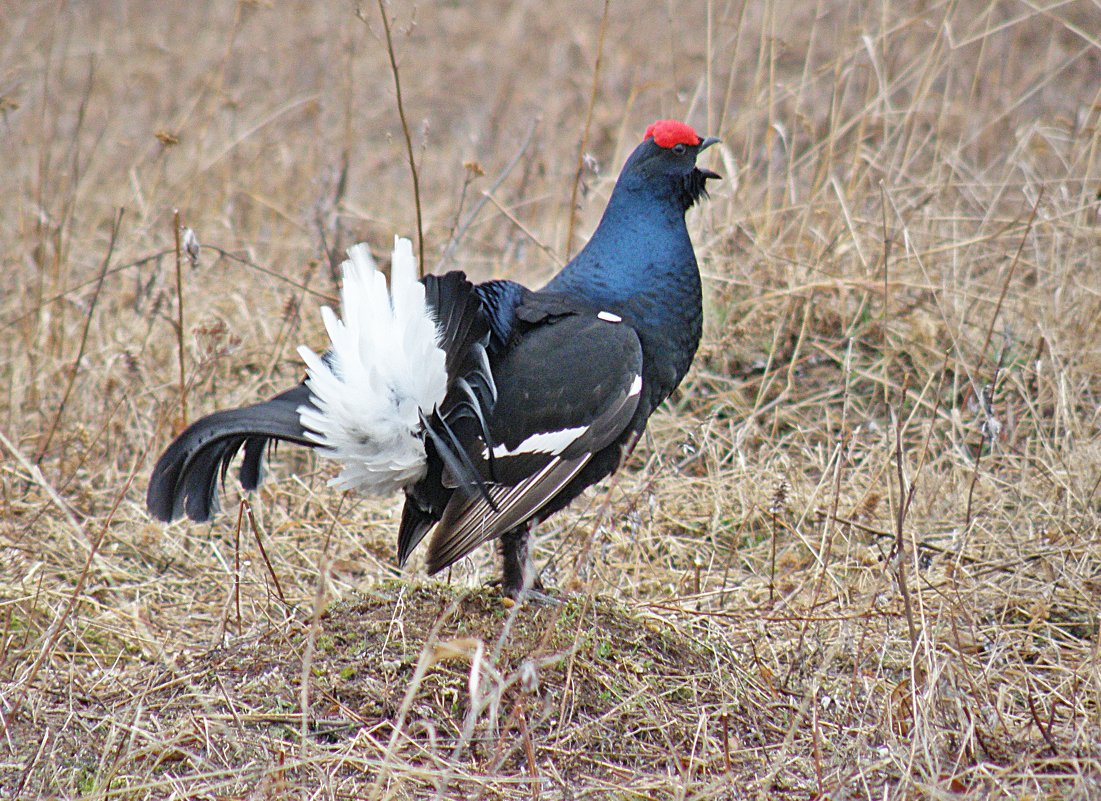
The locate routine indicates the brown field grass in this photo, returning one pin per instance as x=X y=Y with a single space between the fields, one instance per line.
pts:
x=858 y=554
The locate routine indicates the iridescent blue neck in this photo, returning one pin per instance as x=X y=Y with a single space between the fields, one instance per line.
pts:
x=641 y=246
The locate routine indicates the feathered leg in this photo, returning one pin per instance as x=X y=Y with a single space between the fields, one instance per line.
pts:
x=517 y=571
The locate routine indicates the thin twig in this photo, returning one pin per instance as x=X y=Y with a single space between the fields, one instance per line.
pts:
x=35 y=473
x=404 y=128
x=725 y=719
x=1008 y=278
x=237 y=561
x=900 y=520
x=835 y=499
x=83 y=338
x=59 y=296
x=461 y=229
x=585 y=133
x=529 y=749
x=225 y=254
x=264 y=552
x=979 y=392
x=903 y=493
x=886 y=317
x=816 y=746
x=985 y=399
x=524 y=229
x=180 y=319
x=1045 y=731
x=772 y=560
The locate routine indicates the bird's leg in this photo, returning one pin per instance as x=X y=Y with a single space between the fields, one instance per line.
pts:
x=516 y=567
x=518 y=578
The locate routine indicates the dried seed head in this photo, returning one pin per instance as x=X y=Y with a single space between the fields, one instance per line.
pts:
x=290 y=308
x=991 y=426
x=190 y=245
x=779 y=496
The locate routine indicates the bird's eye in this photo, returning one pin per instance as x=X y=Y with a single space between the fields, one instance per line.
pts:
x=679 y=149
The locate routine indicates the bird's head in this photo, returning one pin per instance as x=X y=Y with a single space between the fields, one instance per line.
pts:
x=665 y=162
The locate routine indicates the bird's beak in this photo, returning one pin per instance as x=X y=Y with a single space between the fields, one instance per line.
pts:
x=706 y=143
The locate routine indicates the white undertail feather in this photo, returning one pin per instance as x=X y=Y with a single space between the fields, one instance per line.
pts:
x=383 y=370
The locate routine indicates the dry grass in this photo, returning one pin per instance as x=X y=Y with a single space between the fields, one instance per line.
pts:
x=859 y=554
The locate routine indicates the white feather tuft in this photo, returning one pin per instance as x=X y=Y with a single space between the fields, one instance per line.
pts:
x=383 y=371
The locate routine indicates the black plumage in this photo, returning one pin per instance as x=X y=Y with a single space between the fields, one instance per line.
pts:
x=544 y=389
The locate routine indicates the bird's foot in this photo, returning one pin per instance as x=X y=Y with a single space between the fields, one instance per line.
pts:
x=536 y=594
x=531 y=595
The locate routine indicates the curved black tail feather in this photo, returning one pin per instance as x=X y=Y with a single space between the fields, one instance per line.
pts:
x=185 y=480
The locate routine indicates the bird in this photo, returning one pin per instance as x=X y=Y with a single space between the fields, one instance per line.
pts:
x=490 y=405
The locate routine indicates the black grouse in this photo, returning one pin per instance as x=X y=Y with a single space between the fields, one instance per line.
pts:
x=490 y=405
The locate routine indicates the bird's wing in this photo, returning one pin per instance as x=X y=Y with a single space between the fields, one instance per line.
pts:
x=567 y=389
